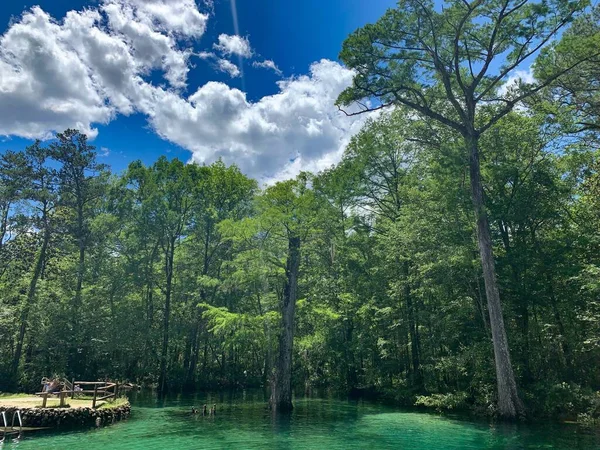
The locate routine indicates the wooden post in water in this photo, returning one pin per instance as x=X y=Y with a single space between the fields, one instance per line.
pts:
x=94 y=400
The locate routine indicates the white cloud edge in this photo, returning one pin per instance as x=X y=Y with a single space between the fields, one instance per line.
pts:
x=267 y=64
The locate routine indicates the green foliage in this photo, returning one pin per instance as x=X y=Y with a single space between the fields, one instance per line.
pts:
x=441 y=402
x=175 y=274
x=114 y=403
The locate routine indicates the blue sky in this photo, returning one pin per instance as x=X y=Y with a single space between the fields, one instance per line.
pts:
x=81 y=69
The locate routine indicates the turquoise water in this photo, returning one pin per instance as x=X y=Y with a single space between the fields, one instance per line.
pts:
x=242 y=421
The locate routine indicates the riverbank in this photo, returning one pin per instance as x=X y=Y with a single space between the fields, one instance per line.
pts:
x=77 y=413
x=560 y=403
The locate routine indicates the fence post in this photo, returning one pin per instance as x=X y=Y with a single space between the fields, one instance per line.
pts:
x=44 y=398
x=61 y=394
x=73 y=388
x=116 y=390
x=94 y=400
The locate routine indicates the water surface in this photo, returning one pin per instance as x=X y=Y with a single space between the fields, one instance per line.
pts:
x=242 y=421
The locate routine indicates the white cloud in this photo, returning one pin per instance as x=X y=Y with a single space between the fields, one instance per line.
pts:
x=227 y=66
x=300 y=122
x=205 y=55
x=180 y=17
x=512 y=82
x=87 y=68
x=234 y=45
x=92 y=66
x=267 y=64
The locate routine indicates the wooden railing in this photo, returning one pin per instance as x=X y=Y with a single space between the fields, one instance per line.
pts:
x=101 y=390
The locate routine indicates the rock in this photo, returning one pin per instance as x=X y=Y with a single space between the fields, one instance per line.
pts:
x=69 y=417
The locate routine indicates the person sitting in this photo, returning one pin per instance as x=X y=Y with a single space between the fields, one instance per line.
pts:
x=53 y=386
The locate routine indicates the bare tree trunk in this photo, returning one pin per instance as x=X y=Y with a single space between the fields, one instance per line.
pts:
x=37 y=270
x=509 y=403
x=281 y=396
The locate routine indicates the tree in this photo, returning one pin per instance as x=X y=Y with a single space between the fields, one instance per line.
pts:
x=223 y=193
x=167 y=194
x=381 y=155
x=449 y=66
x=573 y=100
x=34 y=182
x=287 y=212
x=81 y=182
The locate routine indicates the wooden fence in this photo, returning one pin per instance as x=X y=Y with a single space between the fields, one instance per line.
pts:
x=101 y=390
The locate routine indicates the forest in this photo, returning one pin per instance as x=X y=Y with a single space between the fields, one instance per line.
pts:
x=451 y=259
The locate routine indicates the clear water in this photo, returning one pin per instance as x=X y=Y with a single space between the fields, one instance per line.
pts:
x=243 y=422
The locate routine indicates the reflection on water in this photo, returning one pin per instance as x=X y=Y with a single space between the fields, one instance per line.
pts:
x=243 y=421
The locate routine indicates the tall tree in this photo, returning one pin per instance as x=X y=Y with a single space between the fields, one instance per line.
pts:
x=287 y=211
x=223 y=193
x=380 y=156
x=35 y=183
x=79 y=187
x=168 y=188
x=449 y=66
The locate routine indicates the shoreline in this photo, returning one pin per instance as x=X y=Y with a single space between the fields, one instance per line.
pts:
x=35 y=417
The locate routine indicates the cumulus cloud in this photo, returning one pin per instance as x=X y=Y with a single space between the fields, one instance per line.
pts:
x=300 y=122
x=93 y=66
x=267 y=64
x=87 y=68
x=233 y=45
x=227 y=66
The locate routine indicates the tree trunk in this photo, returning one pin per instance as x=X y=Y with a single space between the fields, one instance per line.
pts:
x=165 y=344
x=37 y=270
x=191 y=369
x=281 y=396
x=522 y=298
x=351 y=374
x=4 y=223
x=76 y=362
x=195 y=343
x=509 y=403
x=417 y=378
x=81 y=262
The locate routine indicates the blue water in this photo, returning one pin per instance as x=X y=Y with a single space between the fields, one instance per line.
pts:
x=243 y=422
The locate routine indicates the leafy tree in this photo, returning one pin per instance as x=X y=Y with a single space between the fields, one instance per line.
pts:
x=573 y=100
x=449 y=66
x=168 y=188
x=32 y=181
x=81 y=181
x=287 y=212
